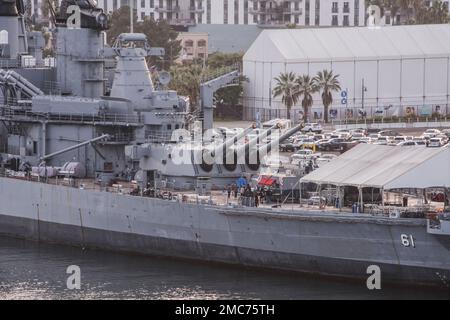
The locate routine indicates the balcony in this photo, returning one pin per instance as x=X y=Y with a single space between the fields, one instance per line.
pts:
x=182 y=22
x=193 y=9
x=174 y=9
x=275 y=11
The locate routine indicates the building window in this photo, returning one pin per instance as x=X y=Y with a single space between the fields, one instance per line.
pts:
x=225 y=11
x=236 y=11
x=307 y=9
x=142 y=15
x=208 y=11
x=346 y=7
x=245 y=11
x=356 y=12
x=201 y=43
x=388 y=19
x=152 y=3
x=188 y=43
x=345 y=22
x=142 y=3
x=334 y=7
x=317 y=19
x=115 y=5
x=334 y=21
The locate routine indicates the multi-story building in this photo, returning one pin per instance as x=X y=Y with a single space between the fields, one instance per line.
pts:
x=264 y=13
x=194 y=46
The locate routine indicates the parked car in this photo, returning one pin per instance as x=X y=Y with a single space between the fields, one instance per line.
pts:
x=307 y=143
x=446 y=132
x=312 y=127
x=316 y=200
x=334 y=144
x=357 y=136
x=388 y=133
x=408 y=143
x=431 y=133
x=288 y=146
x=366 y=140
x=382 y=140
x=343 y=133
x=399 y=139
x=436 y=142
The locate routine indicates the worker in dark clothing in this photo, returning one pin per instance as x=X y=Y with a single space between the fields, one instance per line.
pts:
x=256 y=199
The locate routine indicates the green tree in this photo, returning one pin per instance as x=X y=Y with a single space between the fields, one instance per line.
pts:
x=160 y=34
x=220 y=59
x=286 y=87
x=186 y=80
x=327 y=82
x=230 y=95
x=437 y=13
x=119 y=22
x=306 y=87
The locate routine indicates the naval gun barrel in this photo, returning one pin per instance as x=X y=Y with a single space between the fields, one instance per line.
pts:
x=254 y=155
x=268 y=147
x=230 y=154
x=229 y=142
x=103 y=136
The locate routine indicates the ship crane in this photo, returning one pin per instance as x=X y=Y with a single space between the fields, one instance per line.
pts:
x=207 y=90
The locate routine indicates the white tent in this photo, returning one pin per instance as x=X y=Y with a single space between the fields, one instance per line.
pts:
x=401 y=66
x=386 y=167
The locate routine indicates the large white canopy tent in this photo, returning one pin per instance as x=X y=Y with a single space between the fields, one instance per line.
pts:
x=401 y=66
x=386 y=167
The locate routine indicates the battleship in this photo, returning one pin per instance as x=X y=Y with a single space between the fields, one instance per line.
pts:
x=84 y=159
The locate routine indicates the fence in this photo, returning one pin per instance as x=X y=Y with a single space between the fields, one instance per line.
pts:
x=114 y=118
x=266 y=110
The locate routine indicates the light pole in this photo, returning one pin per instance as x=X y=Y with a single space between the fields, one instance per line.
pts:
x=363 y=90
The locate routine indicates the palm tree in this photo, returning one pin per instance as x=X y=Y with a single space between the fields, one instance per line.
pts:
x=306 y=87
x=286 y=87
x=327 y=82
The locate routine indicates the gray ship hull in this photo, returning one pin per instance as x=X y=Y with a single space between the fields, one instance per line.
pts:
x=342 y=246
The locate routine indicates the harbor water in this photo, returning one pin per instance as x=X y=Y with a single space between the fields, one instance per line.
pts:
x=31 y=270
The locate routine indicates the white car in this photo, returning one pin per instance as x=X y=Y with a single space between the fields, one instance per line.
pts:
x=436 y=142
x=343 y=133
x=365 y=140
x=312 y=127
x=399 y=139
x=431 y=133
x=357 y=136
x=382 y=140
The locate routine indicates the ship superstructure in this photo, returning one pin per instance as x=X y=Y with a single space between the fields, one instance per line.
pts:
x=56 y=116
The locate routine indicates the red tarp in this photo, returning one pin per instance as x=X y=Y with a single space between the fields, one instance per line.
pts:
x=266 y=181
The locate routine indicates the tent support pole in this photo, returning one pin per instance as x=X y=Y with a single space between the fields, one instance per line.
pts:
x=300 y=194
x=361 y=203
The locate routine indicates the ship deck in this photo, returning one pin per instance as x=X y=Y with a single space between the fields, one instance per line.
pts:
x=220 y=200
